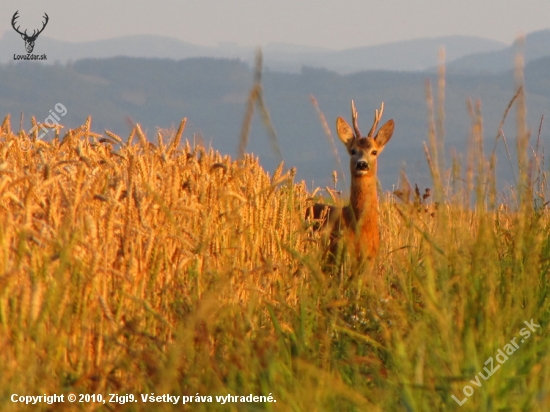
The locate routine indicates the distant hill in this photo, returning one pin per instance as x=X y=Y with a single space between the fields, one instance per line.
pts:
x=409 y=55
x=151 y=46
x=536 y=45
x=212 y=94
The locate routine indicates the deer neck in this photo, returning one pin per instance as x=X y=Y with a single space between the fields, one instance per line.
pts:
x=364 y=202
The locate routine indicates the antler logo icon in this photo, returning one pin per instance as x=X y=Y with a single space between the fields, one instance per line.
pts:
x=29 y=40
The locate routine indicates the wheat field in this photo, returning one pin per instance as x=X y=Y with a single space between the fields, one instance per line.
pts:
x=130 y=268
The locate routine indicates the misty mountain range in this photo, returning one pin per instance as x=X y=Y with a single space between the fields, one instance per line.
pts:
x=156 y=90
x=464 y=54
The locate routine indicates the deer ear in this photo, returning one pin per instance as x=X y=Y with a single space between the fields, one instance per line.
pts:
x=385 y=133
x=344 y=131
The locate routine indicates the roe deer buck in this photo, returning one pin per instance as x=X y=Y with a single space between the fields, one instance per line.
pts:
x=359 y=219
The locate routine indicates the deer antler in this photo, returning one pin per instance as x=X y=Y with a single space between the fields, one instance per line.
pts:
x=354 y=120
x=14 y=18
x=377 y=117
x=43 y=27
x=34 y=33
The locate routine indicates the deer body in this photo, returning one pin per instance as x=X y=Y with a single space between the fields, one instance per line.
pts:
x=359 y=219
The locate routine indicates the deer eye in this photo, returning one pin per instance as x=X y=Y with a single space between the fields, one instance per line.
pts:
x=374 y=152
x=352 y=152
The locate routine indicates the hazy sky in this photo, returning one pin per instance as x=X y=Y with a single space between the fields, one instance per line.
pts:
x=336 y=24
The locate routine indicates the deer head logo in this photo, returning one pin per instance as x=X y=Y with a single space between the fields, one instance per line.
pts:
x=29 y=40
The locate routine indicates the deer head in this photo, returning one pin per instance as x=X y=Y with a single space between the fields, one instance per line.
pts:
x=364 y=151
x=29 y=40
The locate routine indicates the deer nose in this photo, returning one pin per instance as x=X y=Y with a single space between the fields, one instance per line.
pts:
x=362 y=165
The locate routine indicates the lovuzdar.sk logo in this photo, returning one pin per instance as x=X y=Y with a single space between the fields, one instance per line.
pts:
x=29 y=39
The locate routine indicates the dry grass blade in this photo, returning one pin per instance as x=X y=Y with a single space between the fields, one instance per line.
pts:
x=500 y=132
x=247 y=122
x=177 y=137
x=328 y=133
x=255 y=97
x=433 y=147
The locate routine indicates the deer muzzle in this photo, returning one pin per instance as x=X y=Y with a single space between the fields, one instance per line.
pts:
x=362 y=165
